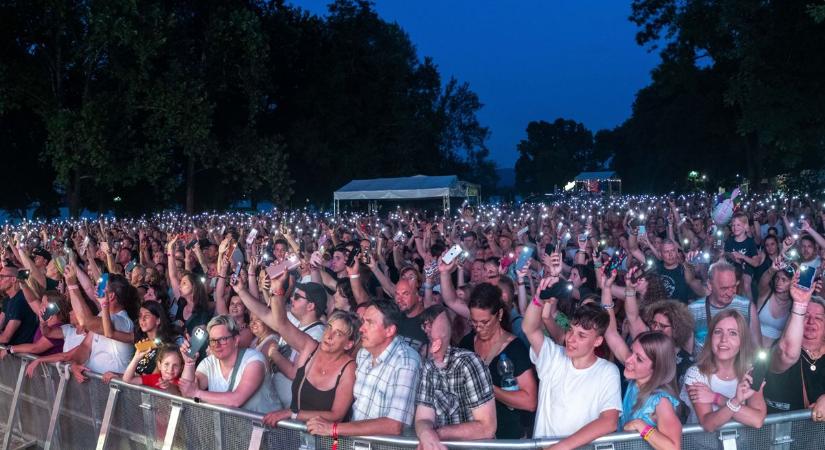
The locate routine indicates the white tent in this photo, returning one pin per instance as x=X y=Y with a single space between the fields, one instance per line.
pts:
x=406 y=188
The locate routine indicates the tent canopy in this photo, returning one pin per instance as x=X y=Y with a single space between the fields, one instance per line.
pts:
x=587 y=176
x=415 y=187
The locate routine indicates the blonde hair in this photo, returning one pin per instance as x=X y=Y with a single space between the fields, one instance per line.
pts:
x=707 y=360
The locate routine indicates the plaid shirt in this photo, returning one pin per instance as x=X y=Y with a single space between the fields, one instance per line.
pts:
x=386 y=387
x=453 y=392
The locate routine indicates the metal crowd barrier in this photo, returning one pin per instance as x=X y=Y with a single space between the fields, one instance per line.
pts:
x=53 y=411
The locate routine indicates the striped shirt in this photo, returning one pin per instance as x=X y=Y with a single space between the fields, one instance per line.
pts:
x=455 y=391
x=386 y=387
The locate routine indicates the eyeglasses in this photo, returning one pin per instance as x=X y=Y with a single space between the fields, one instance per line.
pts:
x=654 y=325
x=295 y=296
x=221 y=341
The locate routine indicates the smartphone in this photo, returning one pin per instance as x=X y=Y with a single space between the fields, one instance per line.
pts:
x=198 y=342
x=549 y=249
x=560 y=291
x=101 y=285
x=289 y=263
x=761 y=361
x=522 y=231
x=191 y=244
x=612 y=265
x=145 y=346
x=83 y=246
x=452 y=254
x=130 y=266
x=60 y=263
x=50 y=311
x=23 y=274
x=352 y=255
x=642 y=230
x=233 y=279
x=250 y=239
x=524 y=257
x=807 y=277
x=365 y=258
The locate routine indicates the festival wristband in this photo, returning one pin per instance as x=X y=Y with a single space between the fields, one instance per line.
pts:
x=645 y=431
x=537 y=302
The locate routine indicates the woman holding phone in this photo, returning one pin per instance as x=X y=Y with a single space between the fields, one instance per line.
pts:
x=718 y=388
x=649 y=406
x=191 y=300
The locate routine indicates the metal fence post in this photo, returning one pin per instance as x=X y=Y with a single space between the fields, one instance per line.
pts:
x=107 y=417
x=218 y=421
x=257 y=436
x=728 y=438
x=172 y=426
x=63 y=374
x=15 y=399
x=148 y=420
x=781 y=434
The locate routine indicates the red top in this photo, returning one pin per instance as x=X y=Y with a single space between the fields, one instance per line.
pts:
x=153 y=379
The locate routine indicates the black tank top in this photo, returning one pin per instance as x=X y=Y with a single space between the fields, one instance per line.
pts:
x=311 y=398
x=675 y=283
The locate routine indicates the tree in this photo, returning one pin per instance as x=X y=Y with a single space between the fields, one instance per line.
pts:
x=768 y=57
x=552 y=155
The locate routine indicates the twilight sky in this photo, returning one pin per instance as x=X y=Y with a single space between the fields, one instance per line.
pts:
x=528 y=59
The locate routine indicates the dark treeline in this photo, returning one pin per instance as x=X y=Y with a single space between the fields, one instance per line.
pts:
x=740 y=90
x=143 y=105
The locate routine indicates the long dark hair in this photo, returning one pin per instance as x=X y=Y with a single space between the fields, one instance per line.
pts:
x=164 y=331
x=199 y=296
x=126 y=294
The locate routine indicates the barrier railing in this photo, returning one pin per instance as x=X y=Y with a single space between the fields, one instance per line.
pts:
x=52 y=411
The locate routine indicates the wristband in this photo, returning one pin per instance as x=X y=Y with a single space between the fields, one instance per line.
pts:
x=803 y=306
x=278 y=293
x=354 y=276
x=716 y=397
x=732 y=407
x=608 y=306
x=537 y=302
x=629 y=293
x=648 y=434
x=73 y=287
x=11 y=350
x=294 y=415
x=798 y=313
x=334 y=436
x=643 y=434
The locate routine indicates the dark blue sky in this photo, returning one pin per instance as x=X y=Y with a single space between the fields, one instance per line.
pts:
x=529 y=59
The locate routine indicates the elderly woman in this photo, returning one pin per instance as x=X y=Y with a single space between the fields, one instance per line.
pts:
x=230 y=375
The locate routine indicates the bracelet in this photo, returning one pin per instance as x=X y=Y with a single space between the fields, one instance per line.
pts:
x=798 y=313
x=354 y=276
x=732 y=407
x=645 y=431
x=801 y=305
x=294 y=415
x=537 y=302
x=279 y=293
x=608 y=306
x=629 y=293
x=334 y=436
x=648 y=434
x=73 y=287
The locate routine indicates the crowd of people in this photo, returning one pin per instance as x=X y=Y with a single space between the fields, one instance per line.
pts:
x=571 y=319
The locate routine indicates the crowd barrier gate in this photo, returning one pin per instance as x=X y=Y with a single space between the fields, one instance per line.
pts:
x=52 y=411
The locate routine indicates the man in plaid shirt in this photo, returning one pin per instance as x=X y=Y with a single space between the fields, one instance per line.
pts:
x=455 y=397
x=385 y=380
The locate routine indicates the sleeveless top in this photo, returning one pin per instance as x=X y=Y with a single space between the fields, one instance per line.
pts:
x=305 y=396
x=646 y=411
x=771 y=326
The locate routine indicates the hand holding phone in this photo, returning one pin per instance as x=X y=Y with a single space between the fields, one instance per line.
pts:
x=198 y=342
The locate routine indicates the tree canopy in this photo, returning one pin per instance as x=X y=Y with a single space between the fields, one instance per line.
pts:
x=140 y=105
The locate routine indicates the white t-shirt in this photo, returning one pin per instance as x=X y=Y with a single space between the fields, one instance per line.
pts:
x=70 y=337
x=718 y=385
x=283 y=385
x=570 y=398
x=108 y=354
x=261 y=401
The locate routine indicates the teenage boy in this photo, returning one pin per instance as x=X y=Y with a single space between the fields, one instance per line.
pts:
x=579 y=393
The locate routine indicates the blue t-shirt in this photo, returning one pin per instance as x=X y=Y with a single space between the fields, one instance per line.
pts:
x=647 y=409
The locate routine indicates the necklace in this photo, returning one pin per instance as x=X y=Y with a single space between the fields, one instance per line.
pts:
x=812 y=361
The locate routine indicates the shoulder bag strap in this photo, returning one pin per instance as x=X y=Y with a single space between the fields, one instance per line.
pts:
x=235 y=369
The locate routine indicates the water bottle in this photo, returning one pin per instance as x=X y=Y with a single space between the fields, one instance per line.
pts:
x=506 y=369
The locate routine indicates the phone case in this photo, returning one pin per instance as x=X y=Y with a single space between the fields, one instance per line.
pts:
x=146 y=345
x=276 y=270
x=451 y=254
x=198 y=341
x=524 y=257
